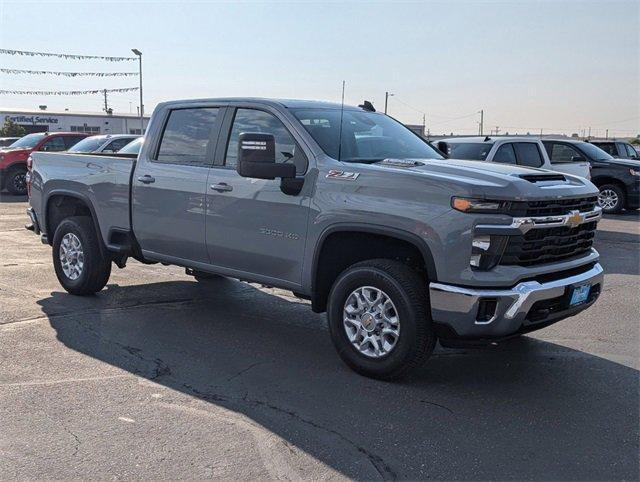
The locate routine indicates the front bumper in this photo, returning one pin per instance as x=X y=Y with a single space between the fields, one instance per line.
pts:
x=525 y=307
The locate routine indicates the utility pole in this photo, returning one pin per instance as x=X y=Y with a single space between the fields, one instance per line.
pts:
x=541 y=133
x=424 y=123
x=386 y=100
x=589 y=133
x=497 y=130
x=106 y=105
x=139 y=54
x=607 y=134
x=481 y=121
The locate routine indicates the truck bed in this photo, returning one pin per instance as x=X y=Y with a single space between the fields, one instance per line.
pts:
x=101 y=180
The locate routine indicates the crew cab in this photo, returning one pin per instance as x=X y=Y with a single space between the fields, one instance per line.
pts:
x=343 y=206
x=619 y=149
x=523 y=151
x=103 y=143
x=618 y=180
x=13 y=159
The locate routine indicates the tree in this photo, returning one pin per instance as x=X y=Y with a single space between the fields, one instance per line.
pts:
x=11 y=129
x=635 y=141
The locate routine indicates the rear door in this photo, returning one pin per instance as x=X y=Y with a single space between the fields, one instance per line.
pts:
x=567 y=159
x=170 y=182
x=252 y=226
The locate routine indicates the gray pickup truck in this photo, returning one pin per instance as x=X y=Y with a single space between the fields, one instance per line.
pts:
x=345 y=207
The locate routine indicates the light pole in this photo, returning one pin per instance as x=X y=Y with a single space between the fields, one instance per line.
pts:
x=386 y=100
x=139 y=54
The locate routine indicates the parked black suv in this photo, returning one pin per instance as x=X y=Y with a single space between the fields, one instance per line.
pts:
x=617 y=179
x=620 y=149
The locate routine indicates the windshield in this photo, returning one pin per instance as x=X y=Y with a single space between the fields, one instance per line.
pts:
x=133 y=147
x=90 y=144
x=594 y=152
x=27 y=142
x=470 y=151
x=366 y=136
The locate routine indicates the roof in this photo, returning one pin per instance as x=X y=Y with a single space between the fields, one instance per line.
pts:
x=288 y=103
x=13 y=111
x=489 y=139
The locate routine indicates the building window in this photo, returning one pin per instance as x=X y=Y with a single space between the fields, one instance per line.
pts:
x=135 y=131
x=86 y=128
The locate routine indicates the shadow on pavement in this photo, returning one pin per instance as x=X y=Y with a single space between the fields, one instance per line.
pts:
x=526 y=409
x=6 y=197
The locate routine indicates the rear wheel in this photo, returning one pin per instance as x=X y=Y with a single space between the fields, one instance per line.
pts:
x=379 y=319
x=611 y=198
x=16 y=181
x=78 y=261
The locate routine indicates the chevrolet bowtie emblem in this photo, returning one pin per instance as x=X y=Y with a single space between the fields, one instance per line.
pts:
x=575 y=219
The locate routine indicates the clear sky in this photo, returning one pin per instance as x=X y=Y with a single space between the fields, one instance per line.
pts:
x=558 y=65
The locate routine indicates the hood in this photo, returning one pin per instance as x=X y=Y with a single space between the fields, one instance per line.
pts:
x=490 y=179
x=632 y=163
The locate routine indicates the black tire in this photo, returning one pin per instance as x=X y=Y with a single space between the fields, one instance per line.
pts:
x=621 y=197
x=15 y=181
x=96 y=268
x=408 y=292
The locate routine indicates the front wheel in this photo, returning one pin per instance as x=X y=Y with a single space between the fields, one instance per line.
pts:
x=78 y=261
x=611 y=198
x=379 y=319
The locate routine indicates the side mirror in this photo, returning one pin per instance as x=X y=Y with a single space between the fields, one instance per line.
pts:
x=257 y=158
x=578 y=159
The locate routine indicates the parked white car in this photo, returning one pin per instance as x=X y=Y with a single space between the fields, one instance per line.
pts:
x=524 y=151
x=103 y=143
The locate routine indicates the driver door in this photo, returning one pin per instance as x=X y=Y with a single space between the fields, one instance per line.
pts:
x=251 y=225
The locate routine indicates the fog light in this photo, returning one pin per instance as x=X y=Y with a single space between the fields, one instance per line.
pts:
x=486 y=310
x=486 y=251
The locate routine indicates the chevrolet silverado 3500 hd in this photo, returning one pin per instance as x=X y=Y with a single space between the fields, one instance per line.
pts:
x=341 y=205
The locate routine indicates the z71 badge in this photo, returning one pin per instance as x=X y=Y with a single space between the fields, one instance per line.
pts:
x=342 y=175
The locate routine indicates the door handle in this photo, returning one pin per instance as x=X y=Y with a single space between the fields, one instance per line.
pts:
x=222 y=187
x=146 y=179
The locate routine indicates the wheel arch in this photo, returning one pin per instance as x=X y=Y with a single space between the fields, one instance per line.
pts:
x=76 y=204
x=322 y=276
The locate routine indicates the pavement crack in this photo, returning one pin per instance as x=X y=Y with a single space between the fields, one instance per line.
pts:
x=244 y=370
x=75 y=437
x=437 y=405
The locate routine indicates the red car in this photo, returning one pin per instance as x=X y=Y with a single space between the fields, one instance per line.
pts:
x=13 y=159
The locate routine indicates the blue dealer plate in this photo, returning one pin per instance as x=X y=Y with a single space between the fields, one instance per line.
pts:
x=580 y=294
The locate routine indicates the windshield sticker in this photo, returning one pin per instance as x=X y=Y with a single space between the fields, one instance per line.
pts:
x=400 y=162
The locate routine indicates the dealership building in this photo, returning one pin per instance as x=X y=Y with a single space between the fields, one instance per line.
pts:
x=92 y=122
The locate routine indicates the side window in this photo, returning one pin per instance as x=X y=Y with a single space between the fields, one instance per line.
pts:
x=186 y=137
x=252 y=120
x=505 y=154
x=608 y=147
x=55 y=144
x=562 y=153
x=117 y=144
x=633 y=154
x=528 y=154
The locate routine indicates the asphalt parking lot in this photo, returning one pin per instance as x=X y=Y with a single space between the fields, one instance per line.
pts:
x=160 y=377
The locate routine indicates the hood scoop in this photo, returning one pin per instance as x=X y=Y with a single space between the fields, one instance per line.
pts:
x=535 y=178
x=400 y=163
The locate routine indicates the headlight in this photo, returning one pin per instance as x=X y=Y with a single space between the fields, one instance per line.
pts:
x=634 y=172
x=468 y=205
x=486 y=251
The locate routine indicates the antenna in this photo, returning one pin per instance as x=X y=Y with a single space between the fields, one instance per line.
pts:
x=340 y=131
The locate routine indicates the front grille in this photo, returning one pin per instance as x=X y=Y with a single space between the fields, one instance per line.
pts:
x=549 y=245
x=554 y=207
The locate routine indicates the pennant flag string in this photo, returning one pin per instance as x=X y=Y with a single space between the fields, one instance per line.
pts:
x=65 y=56
x=69 y=74
x=67 y=92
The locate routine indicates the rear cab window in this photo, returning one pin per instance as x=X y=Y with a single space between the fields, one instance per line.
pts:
x=187 y=135
x=505 y=154
x=528 y=154
x=473 y=151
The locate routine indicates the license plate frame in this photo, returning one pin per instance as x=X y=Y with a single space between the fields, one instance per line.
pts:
x=580 y=294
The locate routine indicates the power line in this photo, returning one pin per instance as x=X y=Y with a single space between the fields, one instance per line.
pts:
x=67 y=74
